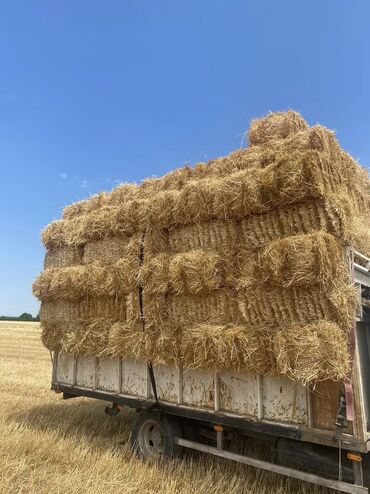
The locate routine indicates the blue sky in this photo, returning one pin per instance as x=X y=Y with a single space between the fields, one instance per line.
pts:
x=95 y=92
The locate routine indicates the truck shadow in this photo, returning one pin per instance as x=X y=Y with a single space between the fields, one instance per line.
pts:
x=85 y=419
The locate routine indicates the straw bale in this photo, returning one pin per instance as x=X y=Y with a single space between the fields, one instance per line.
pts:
x=360 y=234
x=162 y=344
x=54 y=311
x=158 y=210
x=312 y=353
x=87 y=309
x=109 y=250
x=297 y=178
x=304 y=260
x=126 y=341
x=154 y=274
x=133 y=314
x=51 y=336
x=85 y=206
x=124 y=192
x=87 y=338
x=196 y=271
x=330 y=216
x=276 y=306
x=62 y=257
x=216 y=307
x=94 y=280
x=217 y=236
x=107 y=221
x=156 y=310
x=277 y=125
x=219 y=347
x=156 y=241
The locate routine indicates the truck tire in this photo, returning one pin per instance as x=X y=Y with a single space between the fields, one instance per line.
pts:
x=153 y=435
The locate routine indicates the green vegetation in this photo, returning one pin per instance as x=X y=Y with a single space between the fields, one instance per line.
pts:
x=25 y=316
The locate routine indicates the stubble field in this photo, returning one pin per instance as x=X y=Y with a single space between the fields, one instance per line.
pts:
x=52 y=446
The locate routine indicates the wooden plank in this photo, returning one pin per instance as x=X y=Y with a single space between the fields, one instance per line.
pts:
x=325 y=404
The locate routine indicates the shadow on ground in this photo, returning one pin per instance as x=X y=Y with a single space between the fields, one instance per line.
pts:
x=78 y=416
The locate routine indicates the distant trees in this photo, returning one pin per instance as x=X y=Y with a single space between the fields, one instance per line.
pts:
x=25 y=317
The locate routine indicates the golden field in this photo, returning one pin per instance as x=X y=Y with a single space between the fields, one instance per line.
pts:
x=52 y=446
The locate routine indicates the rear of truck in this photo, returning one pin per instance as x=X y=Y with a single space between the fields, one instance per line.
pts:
x=223 y=295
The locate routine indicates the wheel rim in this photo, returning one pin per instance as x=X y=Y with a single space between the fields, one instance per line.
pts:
x=151 y=439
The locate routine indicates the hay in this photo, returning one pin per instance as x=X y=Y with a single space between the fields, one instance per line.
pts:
x=85 y=309
x=217 y=236
x=126 y=341
x=281 y=307
x=301 y=260
x=218 y=307
x=196 y=271
x=110 y=250
x=225 y=347
x=51 y=336
x=89 y=339
x=94 y=280
x=85 y=206
x=312 y=353
x=153 y=274
x=62 y=257
x=278 y=125
x=298 y=177
x=240 y=260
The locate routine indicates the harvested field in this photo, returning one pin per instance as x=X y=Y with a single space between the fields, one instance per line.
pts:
x=50 y=446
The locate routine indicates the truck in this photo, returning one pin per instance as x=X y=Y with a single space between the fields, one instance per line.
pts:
x=320 y=435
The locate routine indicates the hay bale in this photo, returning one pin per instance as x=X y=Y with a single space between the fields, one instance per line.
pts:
x=298 y=177
x=85 y=206
x=218 y=307
x=59 y=311
x=196 y=271
x=109 y=250
x=277 y=125
x=312 y=353
x=51 y=336
x=301 y=260
x=275 y=306
x=61 y=257
x=126 y=341
x=89 y=339
x=94 y=280
x=219 y=347
x=85 y=309
x=153 y=274
x=217 y=236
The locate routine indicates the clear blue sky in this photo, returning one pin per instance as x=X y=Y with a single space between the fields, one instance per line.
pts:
x=92 y=92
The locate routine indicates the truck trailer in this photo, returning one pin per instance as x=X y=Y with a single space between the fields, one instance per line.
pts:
x=321 y=435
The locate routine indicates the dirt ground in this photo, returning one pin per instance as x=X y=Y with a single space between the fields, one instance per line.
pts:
x=52 y=446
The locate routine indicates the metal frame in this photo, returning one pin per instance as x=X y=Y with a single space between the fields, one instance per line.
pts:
x=272 y=467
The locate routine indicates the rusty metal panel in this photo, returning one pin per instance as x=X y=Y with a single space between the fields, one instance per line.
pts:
x=166 y=378
x=85 y=372
x=284 y=400
x=198 y=388
x=239 y=393
x=64 y=372
x=107 y=374
x=134 y=378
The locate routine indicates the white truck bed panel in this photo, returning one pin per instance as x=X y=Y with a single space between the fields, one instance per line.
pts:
x=270 y=398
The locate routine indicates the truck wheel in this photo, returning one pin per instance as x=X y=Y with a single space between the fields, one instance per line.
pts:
x=153 y=435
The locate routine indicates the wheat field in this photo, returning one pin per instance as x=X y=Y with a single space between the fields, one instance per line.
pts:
x=55 y=446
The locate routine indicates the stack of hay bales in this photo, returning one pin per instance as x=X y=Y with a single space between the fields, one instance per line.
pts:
x=237 y=263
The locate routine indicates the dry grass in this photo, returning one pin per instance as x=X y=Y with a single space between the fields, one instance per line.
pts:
x=50 y=446
x=278 y=125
